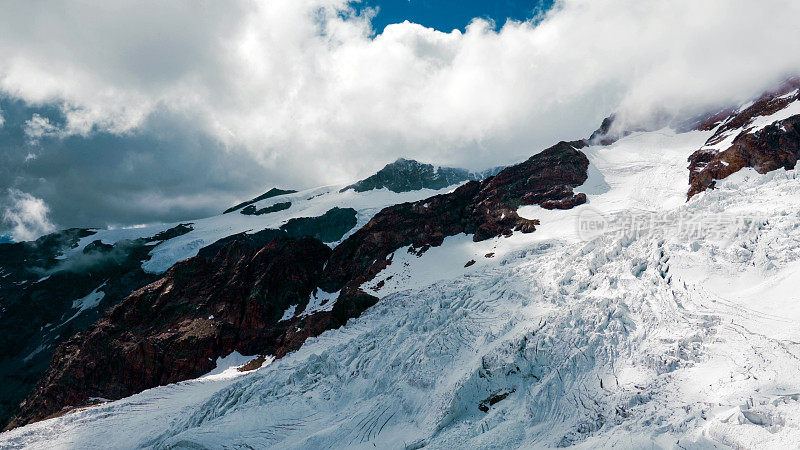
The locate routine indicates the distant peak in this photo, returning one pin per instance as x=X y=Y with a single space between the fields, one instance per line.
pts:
x=404 y=175
x=274 y=192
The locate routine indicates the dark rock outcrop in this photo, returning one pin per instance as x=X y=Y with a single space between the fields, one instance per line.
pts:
x=233 y=294
x=496 y=397
x=250 y=210
x=202 y=308
x=329 y=227
x=274 y=192
x=773 y=147
x=45 y=299
x=768 y=103
x=602 y=135
x=613 y=129
x=406 y=175
x=484 y=209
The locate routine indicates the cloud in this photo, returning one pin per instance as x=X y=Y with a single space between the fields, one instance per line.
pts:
x=168 y=170
x=38 y=127
x=26 y=215
x=308 y=94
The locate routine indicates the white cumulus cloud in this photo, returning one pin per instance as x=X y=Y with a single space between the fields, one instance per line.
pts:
x=310 y=93
x=26 y=216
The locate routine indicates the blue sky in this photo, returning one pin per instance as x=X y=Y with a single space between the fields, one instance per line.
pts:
x=446 y=15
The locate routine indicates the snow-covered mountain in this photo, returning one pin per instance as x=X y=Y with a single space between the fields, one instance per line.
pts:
x=57 y=286
x=406 y=175
x=575 y=299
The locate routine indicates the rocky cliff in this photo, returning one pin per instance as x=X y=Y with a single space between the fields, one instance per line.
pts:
x=251 y=292
x=758 y=136
x=406 y=175
x=47 y=298
x=484 y=209
x=176 y=327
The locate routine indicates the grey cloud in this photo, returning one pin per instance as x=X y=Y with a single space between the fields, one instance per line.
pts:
x=167 y=170
x=164 y=111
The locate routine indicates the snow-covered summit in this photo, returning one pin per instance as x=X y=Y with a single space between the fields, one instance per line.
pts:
x=405 y=175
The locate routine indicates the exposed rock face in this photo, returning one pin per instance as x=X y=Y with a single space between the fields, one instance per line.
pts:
x=203 y=308
x=250 y=210
x=28 y=305
x=769 y=103
x=329 y=227
x=406 y=175
x=274 y=192
x=772 y=147
x=602 y=135
x=46 y=300
x=613 y=129
x=485 y=209
x=233 y=295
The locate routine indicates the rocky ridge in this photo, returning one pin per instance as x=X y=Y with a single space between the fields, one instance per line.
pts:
x=274 y=192
x=484 y=209
x=176 y=327
x=251 y=292
x=46 y=299
x=740 y=140
x=405 y=175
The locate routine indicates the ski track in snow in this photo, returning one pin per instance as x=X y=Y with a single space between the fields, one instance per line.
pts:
x=659 y=340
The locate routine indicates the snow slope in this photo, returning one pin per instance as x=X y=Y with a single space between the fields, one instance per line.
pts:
x=670 y=336
x=309 y=203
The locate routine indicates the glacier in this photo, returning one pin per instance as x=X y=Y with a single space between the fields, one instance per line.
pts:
x=655 y=339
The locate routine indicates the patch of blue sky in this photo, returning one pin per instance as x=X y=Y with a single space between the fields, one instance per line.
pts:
x=447 y=15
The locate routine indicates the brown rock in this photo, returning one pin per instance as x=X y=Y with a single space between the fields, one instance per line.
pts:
x=773 y=147
x=175 y=328
x=232 y=296
x=253 y=364
x=484 y=209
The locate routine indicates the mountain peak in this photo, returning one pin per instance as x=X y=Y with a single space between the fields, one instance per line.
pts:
x=274 y=192
x=404 y=175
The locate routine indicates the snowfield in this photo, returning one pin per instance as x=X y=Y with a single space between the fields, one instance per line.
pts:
x=309 y=203
x=673 y=336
